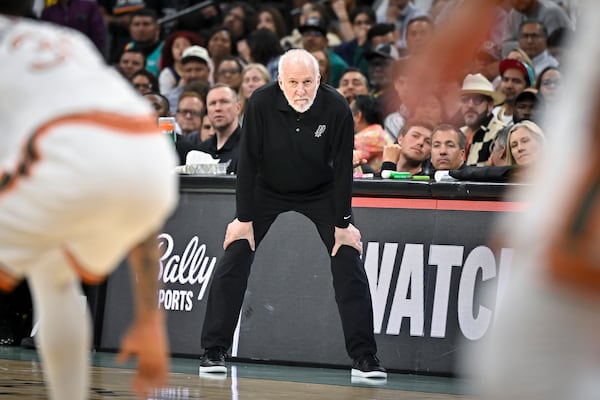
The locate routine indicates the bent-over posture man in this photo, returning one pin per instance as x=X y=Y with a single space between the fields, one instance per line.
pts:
x=295 y=154
x=82 y=184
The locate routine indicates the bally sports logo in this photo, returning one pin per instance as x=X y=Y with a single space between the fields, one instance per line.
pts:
x=193 y=268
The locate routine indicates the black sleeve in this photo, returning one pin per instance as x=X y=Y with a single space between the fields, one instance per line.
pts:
x=342 y=146
x=247 y=166
x=183 y=146
x=388 y=166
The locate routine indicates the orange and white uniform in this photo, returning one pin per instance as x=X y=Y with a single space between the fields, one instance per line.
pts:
x=84 y=172
x=546 y=343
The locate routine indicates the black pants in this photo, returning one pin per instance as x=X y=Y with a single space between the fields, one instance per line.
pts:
x=349 y=279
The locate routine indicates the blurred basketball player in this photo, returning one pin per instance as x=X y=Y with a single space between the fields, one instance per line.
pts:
x=82 y=182
x=544 y=343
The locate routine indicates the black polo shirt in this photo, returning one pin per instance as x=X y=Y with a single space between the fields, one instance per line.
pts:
x=300 y=155
x=229 y=151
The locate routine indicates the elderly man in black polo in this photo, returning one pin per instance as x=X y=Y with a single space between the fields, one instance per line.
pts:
x=295 y=155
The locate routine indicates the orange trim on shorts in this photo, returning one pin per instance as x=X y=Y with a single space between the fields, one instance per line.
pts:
x=7 y=280
x=30 y=155
x=121 y=122
x=86 y=276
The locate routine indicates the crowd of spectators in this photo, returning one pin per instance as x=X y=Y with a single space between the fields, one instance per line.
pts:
x=201 y=67
x=173 y=49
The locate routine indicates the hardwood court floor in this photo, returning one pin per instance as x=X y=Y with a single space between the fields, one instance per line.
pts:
x=21 y=378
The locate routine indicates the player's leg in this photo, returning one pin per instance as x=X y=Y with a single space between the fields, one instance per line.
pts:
x=64 y=336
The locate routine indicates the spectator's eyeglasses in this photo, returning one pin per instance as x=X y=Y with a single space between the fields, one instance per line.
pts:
x=192 y=113
x=477 y=99
x=551 y=82
x=362 y=22
x=142 y=85
x=230 y=71
x=532 y=36
x=235 y=16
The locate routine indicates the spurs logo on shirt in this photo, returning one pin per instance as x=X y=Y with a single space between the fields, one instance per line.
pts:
x=320 y=130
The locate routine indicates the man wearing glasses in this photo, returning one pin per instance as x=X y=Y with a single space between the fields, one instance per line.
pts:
x=477 y=99
x=189 y=115
x=533 y=39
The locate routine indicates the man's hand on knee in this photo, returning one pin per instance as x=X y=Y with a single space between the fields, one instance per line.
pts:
x=238 y=230
x=349 y=236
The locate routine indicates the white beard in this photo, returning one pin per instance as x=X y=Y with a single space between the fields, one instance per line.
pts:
x=300 y=109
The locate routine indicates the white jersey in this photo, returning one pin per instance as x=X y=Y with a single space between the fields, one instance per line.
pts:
x=85 y=172
x=50 y=72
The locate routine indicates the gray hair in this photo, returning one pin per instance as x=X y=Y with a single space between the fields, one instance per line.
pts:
x=298 y=56
x=502 y=136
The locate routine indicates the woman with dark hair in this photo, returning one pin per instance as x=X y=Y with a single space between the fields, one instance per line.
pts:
x=353 y=51
x=270 y=18
x=548 y=82
x=369 y=136
x=170 y=58
x=265 y=49
x=229 y=72
x=144 y=81
x=240 y=19
x=324 y=65
x=220 y=44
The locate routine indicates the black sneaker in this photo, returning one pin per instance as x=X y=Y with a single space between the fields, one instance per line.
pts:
x=28 y=342
x=368 y=366
x=213 y=360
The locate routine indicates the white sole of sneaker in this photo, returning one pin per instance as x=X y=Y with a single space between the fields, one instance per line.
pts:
x=356 y=380
x=372 y=374
x=218 y=369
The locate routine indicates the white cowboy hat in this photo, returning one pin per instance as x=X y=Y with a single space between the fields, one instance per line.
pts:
x=478 y=84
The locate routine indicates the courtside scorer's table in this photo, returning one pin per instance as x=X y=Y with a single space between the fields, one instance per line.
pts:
x=426 y=254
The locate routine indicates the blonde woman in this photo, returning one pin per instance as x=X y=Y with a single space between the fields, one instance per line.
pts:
x=526 y=142
x=253 y=76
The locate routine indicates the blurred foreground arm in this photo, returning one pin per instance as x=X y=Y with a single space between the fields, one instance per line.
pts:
x=449 y=53
x=146 y=337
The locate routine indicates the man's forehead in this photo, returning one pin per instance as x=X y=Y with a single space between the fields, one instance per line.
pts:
x=219 y=93
x=514 y=73
x=194 y=65
x=445 y=135
x=191 y=100
x=131 y=56
x=353 y=77
x=531 y=27
x=143 y=19
x=421 y=130
x=298 y=72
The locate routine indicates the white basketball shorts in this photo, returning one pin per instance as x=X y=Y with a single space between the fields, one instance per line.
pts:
x=90 y=186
